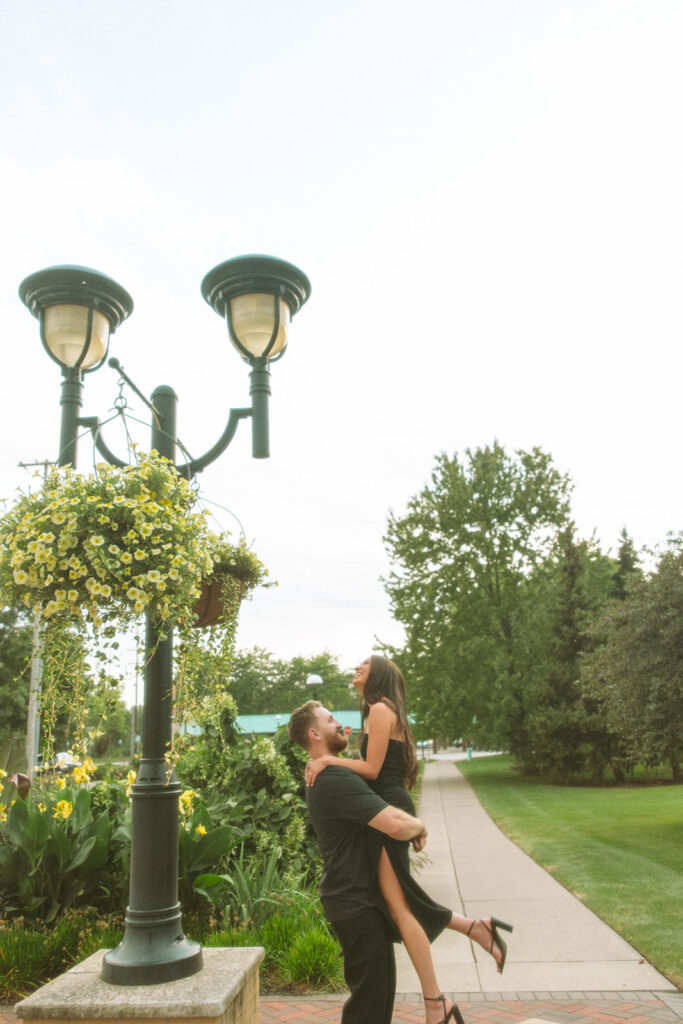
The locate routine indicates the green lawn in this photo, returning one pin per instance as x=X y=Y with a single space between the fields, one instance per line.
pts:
x=619 y=849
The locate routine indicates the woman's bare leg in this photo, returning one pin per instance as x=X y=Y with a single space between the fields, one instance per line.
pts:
x=481 y=932
x=414 y=938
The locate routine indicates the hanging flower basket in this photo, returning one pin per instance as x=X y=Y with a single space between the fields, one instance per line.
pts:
x=111 y=545
x=236 y=571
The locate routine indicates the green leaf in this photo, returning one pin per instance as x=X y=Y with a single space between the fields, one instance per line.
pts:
x=97 y=857
x=16 y=821
x=209 y=881
x=209 y=849
x=102 y=828
x=57 y=849
x=14 y=866
x=82 y=853
x=36 y=832
x=81 y=811
x=52 y=911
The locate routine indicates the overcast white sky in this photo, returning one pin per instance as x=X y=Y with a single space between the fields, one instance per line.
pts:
x=486 y=195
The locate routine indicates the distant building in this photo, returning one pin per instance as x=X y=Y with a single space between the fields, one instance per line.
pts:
x=268 y=725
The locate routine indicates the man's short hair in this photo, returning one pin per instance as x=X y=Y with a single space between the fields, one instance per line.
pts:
x=301 y=720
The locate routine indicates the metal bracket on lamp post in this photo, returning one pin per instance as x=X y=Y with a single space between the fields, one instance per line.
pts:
x=154 y=948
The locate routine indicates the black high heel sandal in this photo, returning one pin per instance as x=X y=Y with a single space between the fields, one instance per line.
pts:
x=495 y=937
x=454 y=1012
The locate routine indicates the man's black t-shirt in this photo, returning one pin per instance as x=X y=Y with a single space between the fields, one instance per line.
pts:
x=341 y=804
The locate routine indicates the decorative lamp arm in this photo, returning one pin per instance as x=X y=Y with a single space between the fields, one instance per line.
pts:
x=189 y=469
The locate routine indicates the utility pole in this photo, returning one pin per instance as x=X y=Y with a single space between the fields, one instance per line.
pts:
x=134 y=709
x=33 y=717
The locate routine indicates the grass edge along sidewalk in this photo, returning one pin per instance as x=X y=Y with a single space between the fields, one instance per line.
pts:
x=616 y=848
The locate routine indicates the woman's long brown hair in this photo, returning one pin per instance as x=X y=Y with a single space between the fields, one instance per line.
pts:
x=385 y=683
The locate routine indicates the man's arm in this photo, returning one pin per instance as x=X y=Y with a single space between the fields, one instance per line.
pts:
x=394 y=822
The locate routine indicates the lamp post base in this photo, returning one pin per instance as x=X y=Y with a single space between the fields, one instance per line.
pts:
x=152 y=954
x=226 y=992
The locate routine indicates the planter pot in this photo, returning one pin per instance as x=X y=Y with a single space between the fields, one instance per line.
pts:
x=208 y=607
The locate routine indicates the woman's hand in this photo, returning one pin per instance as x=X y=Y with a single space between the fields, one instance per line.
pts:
x=419 y=842
x=313 y=768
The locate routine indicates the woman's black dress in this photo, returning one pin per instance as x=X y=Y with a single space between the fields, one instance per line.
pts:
x=432 y=916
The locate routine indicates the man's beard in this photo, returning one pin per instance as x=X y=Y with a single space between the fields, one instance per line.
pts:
x=337 y=743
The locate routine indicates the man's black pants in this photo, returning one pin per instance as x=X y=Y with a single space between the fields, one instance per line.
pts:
x=369 y=968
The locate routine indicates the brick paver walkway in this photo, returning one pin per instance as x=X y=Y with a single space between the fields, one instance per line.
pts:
x=547 y=1008
x=477 y=1008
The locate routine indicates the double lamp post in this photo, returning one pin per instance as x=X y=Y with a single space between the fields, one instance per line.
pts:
x=78 y=309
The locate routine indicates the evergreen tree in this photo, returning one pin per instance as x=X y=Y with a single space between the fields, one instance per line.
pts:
x=566 y=733
x=628 y=565
x=637 y=672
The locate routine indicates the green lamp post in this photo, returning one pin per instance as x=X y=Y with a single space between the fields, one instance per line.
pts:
x=78 y=309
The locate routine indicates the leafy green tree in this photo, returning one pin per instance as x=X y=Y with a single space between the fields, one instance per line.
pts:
x=462 y=554
x=253 y=680
x=263 y=684
x=637 y=672
x=15 y=656
x=335 y=692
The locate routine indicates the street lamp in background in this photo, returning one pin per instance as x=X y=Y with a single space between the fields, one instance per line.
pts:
x=315 y=681
x=78 y=309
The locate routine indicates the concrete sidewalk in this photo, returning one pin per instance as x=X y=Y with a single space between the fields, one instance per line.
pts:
x=557 y=944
